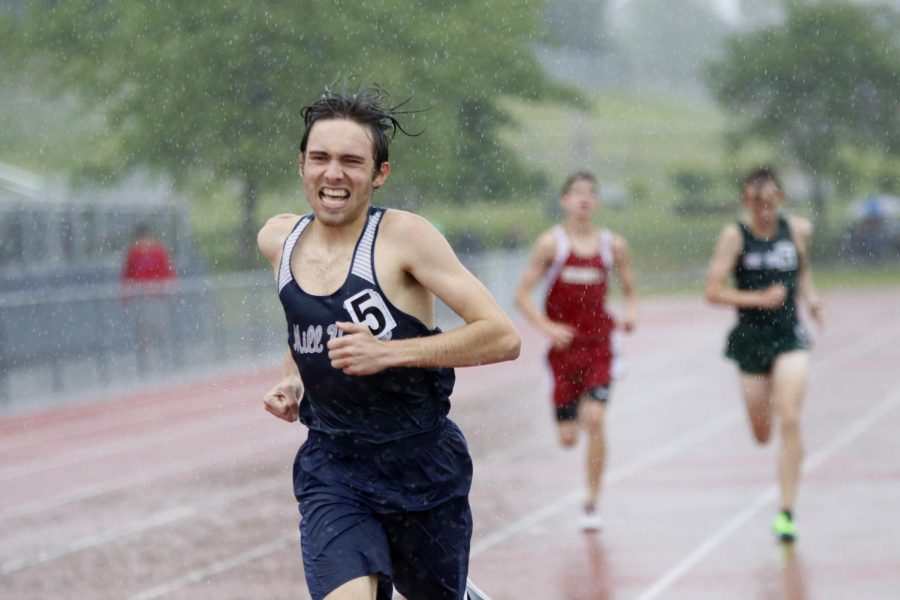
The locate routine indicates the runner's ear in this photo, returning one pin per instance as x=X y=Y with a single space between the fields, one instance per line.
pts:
x=381 y=175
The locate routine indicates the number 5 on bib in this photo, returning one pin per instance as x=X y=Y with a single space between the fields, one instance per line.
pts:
x=368 y=308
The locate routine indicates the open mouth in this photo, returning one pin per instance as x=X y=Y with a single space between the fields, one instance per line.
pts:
x=334 y=197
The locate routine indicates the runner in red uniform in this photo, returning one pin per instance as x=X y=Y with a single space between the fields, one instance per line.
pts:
x=574 y=259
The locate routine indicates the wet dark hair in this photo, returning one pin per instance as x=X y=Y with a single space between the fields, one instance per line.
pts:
x=578 y=176
x=368 y=106
x=760 y=176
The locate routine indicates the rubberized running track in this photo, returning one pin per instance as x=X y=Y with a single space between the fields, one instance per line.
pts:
x=185 y=492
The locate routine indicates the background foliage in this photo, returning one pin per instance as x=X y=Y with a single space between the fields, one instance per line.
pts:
x=210 y=95
x=215 y=88
x=826 y=79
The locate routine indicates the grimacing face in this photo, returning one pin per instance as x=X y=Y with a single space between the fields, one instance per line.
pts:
x=338 y=171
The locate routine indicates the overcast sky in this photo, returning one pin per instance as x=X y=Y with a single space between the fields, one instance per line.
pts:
x=728 y=9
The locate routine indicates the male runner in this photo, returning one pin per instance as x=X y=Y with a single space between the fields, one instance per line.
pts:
x=383 y=478
x=767 y=254
x=574 y=259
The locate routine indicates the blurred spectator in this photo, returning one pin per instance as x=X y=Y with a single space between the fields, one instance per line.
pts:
x=146 y=276
x=147 y=259
x=872 y=238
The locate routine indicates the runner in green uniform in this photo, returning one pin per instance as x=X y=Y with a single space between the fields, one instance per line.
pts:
x=766 y=252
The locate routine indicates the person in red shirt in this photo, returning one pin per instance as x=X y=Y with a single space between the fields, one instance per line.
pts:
x=574 y=260
x=146 y=275
x=147 y=259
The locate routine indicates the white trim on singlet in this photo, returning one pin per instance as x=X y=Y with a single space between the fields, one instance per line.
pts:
x=606 y=249
x=564 y=247
x=284 y=269
x=363 y=264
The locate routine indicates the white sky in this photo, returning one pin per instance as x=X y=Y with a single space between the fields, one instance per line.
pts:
x=727 y=9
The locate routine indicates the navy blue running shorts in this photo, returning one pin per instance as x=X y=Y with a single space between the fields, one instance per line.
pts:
x=424 y=554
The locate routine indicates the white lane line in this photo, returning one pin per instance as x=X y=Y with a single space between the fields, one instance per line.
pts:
x=133 y=527
x=852 y=432
x=215 y=568
x=230 y=452
x=885 y=336
x=567 y=501
x=531 y=519
x=140 y=441
x=614 y=476
x=136 y=526
x=106 y=417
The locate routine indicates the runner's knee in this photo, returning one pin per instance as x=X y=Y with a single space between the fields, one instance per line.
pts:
x=568 y=431
x=790 y=425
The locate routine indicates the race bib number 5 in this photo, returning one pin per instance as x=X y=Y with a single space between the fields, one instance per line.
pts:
x=368 y=308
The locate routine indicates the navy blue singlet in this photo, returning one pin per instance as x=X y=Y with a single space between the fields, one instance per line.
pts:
x=387 y=406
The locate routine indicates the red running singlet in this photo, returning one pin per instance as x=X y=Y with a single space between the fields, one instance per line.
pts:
x=576 y=296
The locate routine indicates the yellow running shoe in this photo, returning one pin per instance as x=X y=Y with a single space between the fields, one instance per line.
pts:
x=784 y=527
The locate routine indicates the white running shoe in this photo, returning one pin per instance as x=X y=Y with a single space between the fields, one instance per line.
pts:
x=473 y=593
x=590 y=519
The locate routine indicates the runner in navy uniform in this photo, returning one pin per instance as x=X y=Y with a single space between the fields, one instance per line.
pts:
x=767 y=255
x=382 y=481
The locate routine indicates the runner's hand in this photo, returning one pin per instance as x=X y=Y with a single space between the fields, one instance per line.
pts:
x=560 y=334
x=357 y=351
x=629 y=321
x=817 y=311
x=283 y=399
x=773 y=297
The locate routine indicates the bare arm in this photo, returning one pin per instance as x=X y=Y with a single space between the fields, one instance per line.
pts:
x=271 y=236
x=625 y=276
x=539 y=262
x=717 y=290
x=282 y=400
x=488 y=335
x=802 y=231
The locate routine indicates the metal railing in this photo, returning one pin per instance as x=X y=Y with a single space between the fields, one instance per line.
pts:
x=60 y=342
x=56 y=340
x=56 y=343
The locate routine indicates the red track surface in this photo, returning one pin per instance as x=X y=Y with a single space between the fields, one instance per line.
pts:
x=185 y=492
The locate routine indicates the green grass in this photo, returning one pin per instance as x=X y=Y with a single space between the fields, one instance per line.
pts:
x=626 y=136
x=827 y=278
x=633 y=142
x=844 y=277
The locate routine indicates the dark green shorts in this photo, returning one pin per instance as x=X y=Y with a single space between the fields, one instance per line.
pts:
x=756 y=348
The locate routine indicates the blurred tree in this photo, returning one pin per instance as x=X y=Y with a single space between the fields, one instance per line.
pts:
x=825 y=79
x=664 y=46
x=218 y=86
x=762 y=12
x=580 y=24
